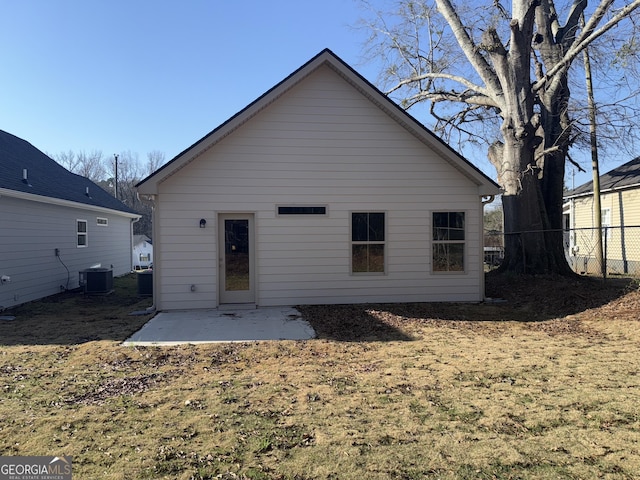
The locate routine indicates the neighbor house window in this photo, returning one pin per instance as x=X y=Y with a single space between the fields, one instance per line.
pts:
x=367 y=242
x=448 y=241
x=81 y=233
x=102 y=222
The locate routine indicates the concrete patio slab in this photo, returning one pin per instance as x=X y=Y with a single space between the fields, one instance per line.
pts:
x=215 y=326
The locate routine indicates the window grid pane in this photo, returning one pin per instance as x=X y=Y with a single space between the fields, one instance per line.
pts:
x=368 y=248
x=448 y=241
x=81 y=233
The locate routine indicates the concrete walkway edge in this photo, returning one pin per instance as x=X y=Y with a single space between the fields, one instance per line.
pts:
x=215 y=326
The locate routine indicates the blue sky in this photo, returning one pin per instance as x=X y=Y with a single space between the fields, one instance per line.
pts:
x=143 y=75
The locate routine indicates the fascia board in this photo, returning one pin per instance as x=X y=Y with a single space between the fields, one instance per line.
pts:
x=63 y=203
x=607 y=190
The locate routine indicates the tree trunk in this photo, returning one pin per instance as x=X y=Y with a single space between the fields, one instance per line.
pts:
x=533 y=241
x=555 y=117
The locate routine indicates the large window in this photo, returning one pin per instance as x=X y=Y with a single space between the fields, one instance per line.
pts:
x=81 y=233
x=448 y=241
x=367 y=242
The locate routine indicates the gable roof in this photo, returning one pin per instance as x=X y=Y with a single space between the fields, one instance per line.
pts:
x=625 y=176
x=326 y=57
x=141 y=239
x=46 y=179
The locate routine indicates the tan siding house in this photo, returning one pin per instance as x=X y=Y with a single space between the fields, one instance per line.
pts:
x=620 y=209
x=321 y=191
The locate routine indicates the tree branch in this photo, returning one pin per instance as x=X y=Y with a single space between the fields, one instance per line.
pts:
x=444 y=76
x=572 y=20
x=575 y=164
x=467 y=97
x=470 y=49
x=587 y=36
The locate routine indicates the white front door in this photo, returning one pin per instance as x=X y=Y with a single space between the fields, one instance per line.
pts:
x=236 y=258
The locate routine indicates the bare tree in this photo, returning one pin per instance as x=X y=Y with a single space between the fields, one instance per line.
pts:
x=66 y=159
x=102 y=171
x=155 y=159
x=503 y=77
x=128 y=175
x=89 y=165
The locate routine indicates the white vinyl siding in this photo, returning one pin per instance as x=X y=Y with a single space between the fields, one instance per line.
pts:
x=322 y=143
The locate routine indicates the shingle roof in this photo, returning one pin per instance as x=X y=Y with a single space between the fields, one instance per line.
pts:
x=45 y=177
x=624 y=176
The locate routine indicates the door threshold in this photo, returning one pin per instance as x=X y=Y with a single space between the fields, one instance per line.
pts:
x=237 y=306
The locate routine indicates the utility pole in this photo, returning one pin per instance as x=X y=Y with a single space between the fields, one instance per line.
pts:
x=595 y=167
x=116 y=180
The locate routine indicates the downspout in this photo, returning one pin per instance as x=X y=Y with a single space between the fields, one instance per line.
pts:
x=133 y=220
x=484 y=200
x=151 y=201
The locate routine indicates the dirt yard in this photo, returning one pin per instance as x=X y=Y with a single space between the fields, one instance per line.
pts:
x=553 y=304
x=540 y=384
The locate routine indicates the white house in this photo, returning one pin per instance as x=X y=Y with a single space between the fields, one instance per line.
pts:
x=142 y=252
x=321 y=191
x=54 y=224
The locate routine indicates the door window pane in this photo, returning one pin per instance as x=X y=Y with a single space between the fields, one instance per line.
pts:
x=237 y=273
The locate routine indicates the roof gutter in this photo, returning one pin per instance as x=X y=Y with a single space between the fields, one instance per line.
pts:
x=64 y=203
x=608 y=190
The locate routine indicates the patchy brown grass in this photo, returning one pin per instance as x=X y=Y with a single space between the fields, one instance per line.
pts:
x=545 y=385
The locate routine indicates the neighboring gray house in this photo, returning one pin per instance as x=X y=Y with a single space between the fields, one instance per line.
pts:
x=321 y=191
x=142 y=252
x=54 y=224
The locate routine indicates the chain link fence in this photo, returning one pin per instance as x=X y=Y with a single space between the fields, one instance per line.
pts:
x=620 y=250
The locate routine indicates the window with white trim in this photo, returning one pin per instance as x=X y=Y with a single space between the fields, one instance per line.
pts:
x=367 y=242
x=82 y=233
x=448 y=241
x=102 y=222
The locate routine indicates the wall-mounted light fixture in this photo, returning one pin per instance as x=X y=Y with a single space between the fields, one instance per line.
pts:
x=203 y=223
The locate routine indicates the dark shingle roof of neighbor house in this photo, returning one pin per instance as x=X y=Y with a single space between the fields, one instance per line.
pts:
x=46 y=178
x=622 y=177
